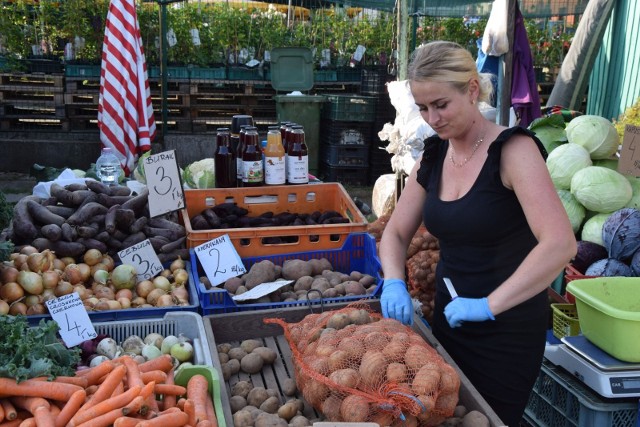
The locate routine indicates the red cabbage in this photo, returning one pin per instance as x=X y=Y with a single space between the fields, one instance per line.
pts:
x=621 y=233
x=609 y=267
x=588 y=253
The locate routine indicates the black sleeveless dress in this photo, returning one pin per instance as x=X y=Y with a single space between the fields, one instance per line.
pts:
x=484 y=236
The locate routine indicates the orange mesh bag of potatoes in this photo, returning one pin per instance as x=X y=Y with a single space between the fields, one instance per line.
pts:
x=355 y=366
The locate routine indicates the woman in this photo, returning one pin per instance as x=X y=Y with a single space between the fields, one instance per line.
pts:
x=484 y=191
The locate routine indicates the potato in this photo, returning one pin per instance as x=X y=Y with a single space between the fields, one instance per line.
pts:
x=396 y=372
x=373 y=367
x=359 y=317
x=270 y=420
x=346 y=377
x=256 y=396
x=354 y=288
x=303 y=283
x=293 y=269
x=241 y=388
x=416 y=356
x=427 y=380
x=237 y=353
x=234 y=366
x=224 y=357
x=272 y=392
x=288 y=411
x=241 y=290
x=289 y=387
x=270 y=405
x=409 y=421
x=299 y=421
x=223 y=348
x=339 y=287
x=355 y=275
x=315 y=392
x=376 y=340
x=232 y=284
x=394 y=350
x=268 y=355
x=237 y=403
x=330 y=293
x=331 y=408
x=316 y=266
x=338 y=321
x=338 y=359
x=449 y=380
x=260 y=272
x=243 y=419
x=381 y=418
x=251 y=363
x=367 y=280
x=446 y=403
x=226 y=371
x=460 y=411
x=326 y=264
x=354 y=409
x=249 y=345
x=320 y=284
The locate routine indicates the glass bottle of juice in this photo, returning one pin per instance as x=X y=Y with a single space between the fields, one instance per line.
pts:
x=252 y=170
x=298 y=157
x=274 y=166
x=225 y=160
x=240 y=151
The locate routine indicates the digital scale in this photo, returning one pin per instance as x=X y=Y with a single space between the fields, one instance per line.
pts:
x=606 y=375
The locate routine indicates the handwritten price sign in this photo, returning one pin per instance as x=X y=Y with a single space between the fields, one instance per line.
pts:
x=143 y=258
x=629 y=163
x=220 y=260
x=163 y=180
x=72 y=318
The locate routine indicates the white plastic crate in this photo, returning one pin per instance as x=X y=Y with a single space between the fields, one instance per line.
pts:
x=173 y=323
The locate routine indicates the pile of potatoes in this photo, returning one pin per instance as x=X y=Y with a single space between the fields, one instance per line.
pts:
x=312 y=279
x=255 y=405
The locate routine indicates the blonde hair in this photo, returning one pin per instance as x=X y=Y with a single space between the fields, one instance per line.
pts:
x=448 y=62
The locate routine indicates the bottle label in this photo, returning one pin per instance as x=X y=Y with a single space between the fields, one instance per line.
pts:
x=298 y=172
x=274 y=170
x=239 y=174
x=252 y=171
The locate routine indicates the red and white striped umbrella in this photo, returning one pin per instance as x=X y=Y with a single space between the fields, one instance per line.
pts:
x=125 y=113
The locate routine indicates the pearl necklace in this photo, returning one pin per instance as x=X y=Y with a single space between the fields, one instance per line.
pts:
x=466 y=159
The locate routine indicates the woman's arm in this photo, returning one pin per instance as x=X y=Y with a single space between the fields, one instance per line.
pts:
x=524 y=170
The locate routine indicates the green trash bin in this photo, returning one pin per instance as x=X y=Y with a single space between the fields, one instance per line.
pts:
x=292 y=71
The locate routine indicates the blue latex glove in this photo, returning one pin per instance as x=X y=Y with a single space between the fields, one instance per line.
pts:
x=396 y=301
x=467 y=310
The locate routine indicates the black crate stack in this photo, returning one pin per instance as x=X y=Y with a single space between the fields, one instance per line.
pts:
x=346 y=138
x=374 y=83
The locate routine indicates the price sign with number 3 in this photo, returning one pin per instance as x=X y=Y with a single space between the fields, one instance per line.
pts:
x=143 y=258
x=163 y=180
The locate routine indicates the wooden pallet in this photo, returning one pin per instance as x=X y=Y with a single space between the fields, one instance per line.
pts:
x=32 y=123
x=31 y=109
x=54 y=83
x=81 y=85
x=82 y=98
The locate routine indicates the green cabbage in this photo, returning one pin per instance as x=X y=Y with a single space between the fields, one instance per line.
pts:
x=550 y=131
x=601 y=189
x=592 y=228
x=200 y=174
x=595 y=133
x=565 y=161
x=575 y=210
x=607 y=163
x=634 y=202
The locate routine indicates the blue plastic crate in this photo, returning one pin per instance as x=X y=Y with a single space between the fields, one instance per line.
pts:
x=358 y=253
x=559 y=400
x=136 y=313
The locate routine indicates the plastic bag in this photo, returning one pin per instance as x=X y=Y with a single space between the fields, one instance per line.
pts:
x=495 y=41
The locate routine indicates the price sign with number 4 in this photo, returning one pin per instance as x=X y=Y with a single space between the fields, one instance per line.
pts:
x=69 y=313
x=220 y=260
x=143 y=258
x=163 y=180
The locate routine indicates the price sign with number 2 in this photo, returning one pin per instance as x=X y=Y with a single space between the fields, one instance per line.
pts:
x=219 y=260
x=163 y=181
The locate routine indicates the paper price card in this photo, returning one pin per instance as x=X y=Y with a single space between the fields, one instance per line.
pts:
x=72 y=319
x=261 y=290
x=220 y=260
x=163 y=181
x=629 y=163
x=143 y=258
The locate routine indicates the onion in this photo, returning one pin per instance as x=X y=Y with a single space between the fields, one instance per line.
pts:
x=124 y=293
x=107 y=260
x=50 y=279
x=102 y=305
x=180 y=276
x=165 y=300
x=82 y=291
x=85 y=271
x=28 y=250
x=9 y=274
x=72 y=274
x=4 y=308
x=114 y=305
x=92 y=257
x=11 y=292
x=160 y=282
x=38 y=262
x=144 y=287
x=20 y=260
x=101 y=277
x=99 y=266
x=181 y=294
x=36 y=309
x=31 y=282
x=138 y=301
x=124 y=276
x=63 y=288
x=32 y=300
x=18 y=308
x=68 y=260
x=179 y=263
x=58 y=264
x=104 y=292
x=165 y=273
x=47 y=295
x=124 y=302
x=153 y=296
x=91 y=302
x=24 y=267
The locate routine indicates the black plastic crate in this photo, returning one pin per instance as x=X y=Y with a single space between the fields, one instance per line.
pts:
x=385 y=111
x=345 y=155
x=345 y=133
x=356 y=175
x=374 y=81
x=375 y=171
x=378 y=155
x=350 y=108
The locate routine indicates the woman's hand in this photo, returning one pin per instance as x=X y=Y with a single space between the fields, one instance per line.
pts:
x=467 y=310
x=396 y=301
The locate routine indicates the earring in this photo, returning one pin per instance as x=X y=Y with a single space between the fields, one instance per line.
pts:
x=473 y=101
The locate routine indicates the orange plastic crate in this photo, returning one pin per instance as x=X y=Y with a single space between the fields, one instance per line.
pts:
x=299 y=199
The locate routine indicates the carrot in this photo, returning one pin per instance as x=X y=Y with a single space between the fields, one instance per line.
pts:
x=156 y=375
x=105 y=406
x=29 y=403
x=1 y=413
x=119 y=389
x=180 y=403
x=55 y=410
x=133 y=372
x=43 y=417
x=204 y=423
x=12 y=423
x=190 y=410
x=149 y=398
x=162 y=363
x=126 y=422
x=79 y=381
x=9 y=410
x=169 y=400
x=91 y=389
x=168 y=389
x=104 y=420
x=70 y=408
x=134 y=406
x=93 y=375
x=105 y=390
x=211 y=411
x=171 y=419
x=28 y=422
x=197 y=389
